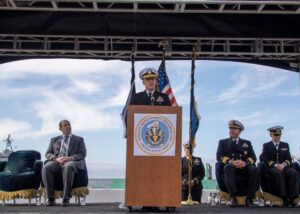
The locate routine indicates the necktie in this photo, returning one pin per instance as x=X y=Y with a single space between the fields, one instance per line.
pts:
x=151 y=98
x=64 y=147
x=277 y=145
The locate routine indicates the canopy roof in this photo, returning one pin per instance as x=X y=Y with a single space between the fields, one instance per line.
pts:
x=263 y=32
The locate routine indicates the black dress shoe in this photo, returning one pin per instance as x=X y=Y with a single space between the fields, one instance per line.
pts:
x=249 y=202
x=293 y=203
x=51 y=202
x=233 y=202
x=155 y=209
x=66 y=202
x=146 y=209
x=286 y=202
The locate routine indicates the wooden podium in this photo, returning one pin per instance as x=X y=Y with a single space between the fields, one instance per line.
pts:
x=153 y=180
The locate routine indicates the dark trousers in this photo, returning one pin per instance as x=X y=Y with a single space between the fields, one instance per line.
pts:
x=50 y=172
x=196 y=194
x=286 y=182
x=231 y=173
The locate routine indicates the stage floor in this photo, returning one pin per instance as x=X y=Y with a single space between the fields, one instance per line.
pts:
x=114 y=208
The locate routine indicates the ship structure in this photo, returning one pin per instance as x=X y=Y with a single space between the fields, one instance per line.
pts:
x=8 y=148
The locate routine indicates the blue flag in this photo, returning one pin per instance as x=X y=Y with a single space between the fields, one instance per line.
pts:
x=194 y=115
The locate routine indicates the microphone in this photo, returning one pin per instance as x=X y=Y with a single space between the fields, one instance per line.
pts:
x=152 y=100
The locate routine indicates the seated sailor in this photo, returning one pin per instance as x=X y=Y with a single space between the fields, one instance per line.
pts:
x=276 y=154
x=238 y=158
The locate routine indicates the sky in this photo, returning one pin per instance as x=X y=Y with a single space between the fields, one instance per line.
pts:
x=36 y=94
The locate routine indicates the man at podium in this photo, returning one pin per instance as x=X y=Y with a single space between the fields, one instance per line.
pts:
x=150 y=96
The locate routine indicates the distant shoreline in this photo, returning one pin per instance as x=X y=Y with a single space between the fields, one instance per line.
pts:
x=119 y=183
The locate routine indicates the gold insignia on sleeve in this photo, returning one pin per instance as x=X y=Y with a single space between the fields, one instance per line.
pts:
x=251 y=161
x=288 y=162
x=225 y=159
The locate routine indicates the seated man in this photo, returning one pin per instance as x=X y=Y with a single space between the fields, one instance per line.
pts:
x=198 y=173
x=150 y=96
x=276 y=154
x=238 y=158
x=66 y=154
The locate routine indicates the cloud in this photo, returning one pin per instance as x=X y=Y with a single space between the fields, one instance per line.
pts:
x=62 y=67
x=20 y=129
x=84 y=116
x=86 y=86
x=84 y=91
x=119 y=98
x=291 y=93
x=251 y=82
x=255 y=118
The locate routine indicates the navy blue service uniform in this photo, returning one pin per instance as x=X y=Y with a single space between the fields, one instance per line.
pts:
x=198 y=173
x=238 y=149
x=228 y=150
x=154 y=97
x=142 y=98
x=286 y=181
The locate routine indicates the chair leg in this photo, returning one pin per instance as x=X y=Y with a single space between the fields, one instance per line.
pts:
x=82 y=201
x=77 y=200
x=29 y=201
x=38 y=200
x=45 y=199
x=14 y=201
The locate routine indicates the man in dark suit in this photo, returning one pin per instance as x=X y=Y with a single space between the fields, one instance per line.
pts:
x=66 y=154
x=198 y=173
x=276 y=154
x=238 y=158
x=150 y=96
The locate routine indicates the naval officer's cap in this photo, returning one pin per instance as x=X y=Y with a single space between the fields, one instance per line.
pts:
x=235 y=124
x=148 y=73
x=275 y=130
x=186 y=145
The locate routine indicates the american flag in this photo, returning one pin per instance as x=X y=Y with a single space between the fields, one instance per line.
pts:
x=163 y=84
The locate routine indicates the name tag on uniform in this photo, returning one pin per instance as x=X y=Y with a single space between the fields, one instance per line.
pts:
x=284 y=149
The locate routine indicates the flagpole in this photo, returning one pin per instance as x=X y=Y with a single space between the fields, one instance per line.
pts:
x=191 y=139
x=131 y=92
x=163 y=61
x=132 y=65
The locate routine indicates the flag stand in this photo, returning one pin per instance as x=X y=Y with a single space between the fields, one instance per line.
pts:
x=189 y=200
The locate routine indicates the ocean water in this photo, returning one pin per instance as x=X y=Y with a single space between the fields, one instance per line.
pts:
x=119 y=183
